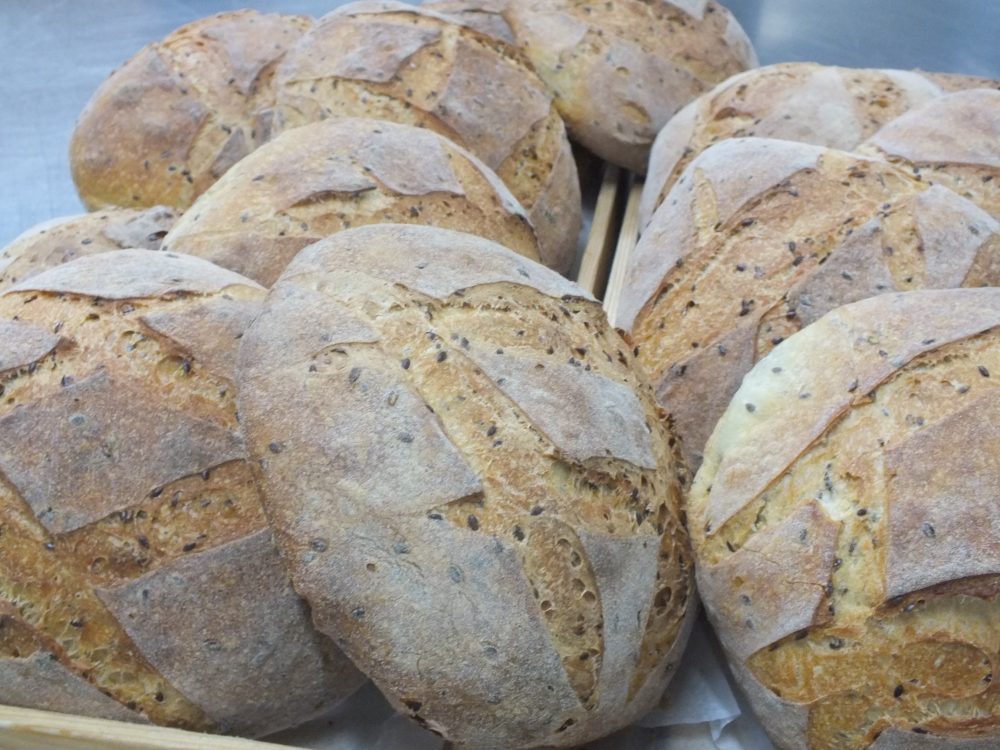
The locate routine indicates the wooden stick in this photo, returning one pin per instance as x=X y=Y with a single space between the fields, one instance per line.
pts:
x=627 y=238
x=26 y=729
x=596 y=261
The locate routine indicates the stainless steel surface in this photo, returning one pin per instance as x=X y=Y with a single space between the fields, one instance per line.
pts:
x=56 y=52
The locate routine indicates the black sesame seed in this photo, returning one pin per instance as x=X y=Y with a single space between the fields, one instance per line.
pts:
x=836 y=644
x=928 y=529
x=406 y=363
x=275 y=447
x=862 y=512
x=983 y=371
x=751 y=408
x=318 y=544
x=537 y=510
x=189 y=546
x=76 y=622
x=434 y=516
x=442 y=356
x=473 y=523
x=143 y=542
x=518 y=534
x=898 y=692
x=354 y=375
x=491 y=431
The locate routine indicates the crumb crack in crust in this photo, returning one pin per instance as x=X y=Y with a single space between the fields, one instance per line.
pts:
x=122 y=536
x=874 y=503
x=481 y=528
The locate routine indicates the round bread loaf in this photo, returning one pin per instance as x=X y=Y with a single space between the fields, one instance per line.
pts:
x=61 y=240
x=761 y=237
x=952 y=141
x=322 y=178
x=847 y=543
x=818 y=104
x=620 y=69
x=394 y=61
x=175 y=117
x=138 y=577
x=485 y=16
x=470 y=485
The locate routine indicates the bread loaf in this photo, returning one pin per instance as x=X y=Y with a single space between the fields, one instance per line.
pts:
x=761 y=237
x=394 y=61
x=61 y=240
x=952 y=141
x=175 y=117
x=620 y=69
x=138 y=577
x=470 y=485
x=847 y=543
x=823 y=105
x=485 y=16
x=322 y=178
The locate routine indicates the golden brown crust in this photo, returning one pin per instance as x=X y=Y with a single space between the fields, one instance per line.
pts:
x=322 y=178
x=620 y=70
x=142 y=500
x=61 y=240
x=952 y=141
x=495 y=490
x=822 y=105
x=891 y=462
x=409 y=65
x=175 y=117
x=761 y=237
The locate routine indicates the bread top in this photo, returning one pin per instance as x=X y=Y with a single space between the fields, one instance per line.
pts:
x=823 y=105
x=139 y=578
x=174 y=118
x=398 y=62
x=953 y=141
x=619 y=70
x=61 y=240
x=470 y=484
x=872 y=502
x=761 y=237
x=484 y=16
x=313 y=181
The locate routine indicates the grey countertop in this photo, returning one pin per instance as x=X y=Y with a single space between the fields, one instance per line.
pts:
x=56 y=52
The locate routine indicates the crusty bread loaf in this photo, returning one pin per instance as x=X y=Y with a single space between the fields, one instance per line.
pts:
x=818 y=104
x=471 y=486
x=847 y=543
x=761 y=237
x=175 y=117
x=620 y=69
x=138 y=579
x=398 y=62
x=952 y=141
x=485 y=16
x=322 y=178
x=61 y=240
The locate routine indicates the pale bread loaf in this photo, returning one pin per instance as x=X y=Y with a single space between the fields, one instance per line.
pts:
x=620 y=69
x=138 y=578
x=471 y=486
x=315 y=180
x=761 y=237
x=171 y=120
x=847 y=543
x=818 y=104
